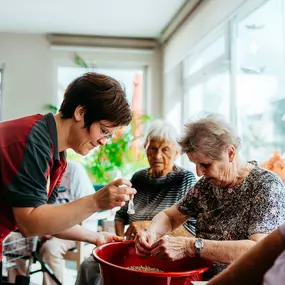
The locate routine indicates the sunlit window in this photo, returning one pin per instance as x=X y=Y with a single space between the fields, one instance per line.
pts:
x=123 y=154
x=196 y=62
x=131 y=79
x=260 y=81
x=210 y=96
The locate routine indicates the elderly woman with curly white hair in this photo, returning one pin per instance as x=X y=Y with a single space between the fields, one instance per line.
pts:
x=236 y=202
x=160 y=185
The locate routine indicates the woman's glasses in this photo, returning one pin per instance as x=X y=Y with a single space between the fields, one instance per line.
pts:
x=105 y=132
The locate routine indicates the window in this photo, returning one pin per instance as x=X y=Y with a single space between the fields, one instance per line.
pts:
x=132 y=80
x=212 y=95
x=123 y=155
x=260 y=85
x=206 y=80
x=197 y=61
x=240 y=74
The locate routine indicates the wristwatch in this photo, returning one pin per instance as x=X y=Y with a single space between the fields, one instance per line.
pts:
x=199 y=244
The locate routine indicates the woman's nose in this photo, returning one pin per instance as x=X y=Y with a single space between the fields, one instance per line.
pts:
x=102 y=141
x=158 y=154
x=199 y=170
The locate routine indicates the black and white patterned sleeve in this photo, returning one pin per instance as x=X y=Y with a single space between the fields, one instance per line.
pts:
x=188 y=181
x=268 y=205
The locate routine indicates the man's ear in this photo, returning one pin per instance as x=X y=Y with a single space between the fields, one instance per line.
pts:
x=231 y=153
x=79 y=113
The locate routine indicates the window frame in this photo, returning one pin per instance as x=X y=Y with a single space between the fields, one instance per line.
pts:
x=227 y=61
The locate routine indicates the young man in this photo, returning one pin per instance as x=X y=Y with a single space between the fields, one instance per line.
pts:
x=33 y=160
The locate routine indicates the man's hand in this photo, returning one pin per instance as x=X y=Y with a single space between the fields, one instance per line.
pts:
x=104 y=237
x=136 y=227
x=114 y=194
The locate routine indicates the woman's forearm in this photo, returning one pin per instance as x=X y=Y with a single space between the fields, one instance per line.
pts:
x=52 y=219
x=78 y=233
x=167 y=221
x=225 y=251
x=161 y=224
x=250 y=268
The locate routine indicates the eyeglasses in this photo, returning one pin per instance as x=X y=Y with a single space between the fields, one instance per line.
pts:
x=105 y=132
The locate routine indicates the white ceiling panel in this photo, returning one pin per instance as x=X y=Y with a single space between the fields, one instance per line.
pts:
x=123 y=18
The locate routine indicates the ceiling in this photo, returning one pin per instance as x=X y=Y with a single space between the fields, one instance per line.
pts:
x=122 y=18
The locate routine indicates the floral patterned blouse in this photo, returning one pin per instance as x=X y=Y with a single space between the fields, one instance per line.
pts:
x=257 y=205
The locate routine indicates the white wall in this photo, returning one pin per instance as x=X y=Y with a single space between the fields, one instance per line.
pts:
x=27 y=77
x=30 y=65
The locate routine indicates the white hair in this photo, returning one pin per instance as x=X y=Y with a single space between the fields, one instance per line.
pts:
x=161 y=131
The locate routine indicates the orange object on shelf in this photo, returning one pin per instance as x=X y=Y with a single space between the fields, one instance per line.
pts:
x=276 y=164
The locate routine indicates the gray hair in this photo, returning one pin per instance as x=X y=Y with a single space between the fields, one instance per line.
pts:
x=209 y=135
x=161 y=131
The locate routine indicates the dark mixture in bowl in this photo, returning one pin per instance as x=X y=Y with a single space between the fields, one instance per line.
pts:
x=144 y=268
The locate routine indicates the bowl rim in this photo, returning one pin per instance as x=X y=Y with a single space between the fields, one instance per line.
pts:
x=155 y=274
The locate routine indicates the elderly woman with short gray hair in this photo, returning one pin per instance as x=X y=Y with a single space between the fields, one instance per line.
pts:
x=236 y=203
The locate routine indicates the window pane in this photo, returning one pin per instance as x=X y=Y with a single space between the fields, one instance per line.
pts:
x=196 y=62
x=130 y=78
x=260 y=81
x=210 y=96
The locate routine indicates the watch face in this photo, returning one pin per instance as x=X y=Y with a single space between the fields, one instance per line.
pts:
x=198 y=243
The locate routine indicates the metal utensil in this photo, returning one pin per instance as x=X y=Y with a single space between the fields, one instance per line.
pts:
x=131 y=206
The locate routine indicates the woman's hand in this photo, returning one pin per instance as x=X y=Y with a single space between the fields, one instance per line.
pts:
x=136 y=227
x=114 y=194
x=172 y=248
x=104 y=237
x=144 y=241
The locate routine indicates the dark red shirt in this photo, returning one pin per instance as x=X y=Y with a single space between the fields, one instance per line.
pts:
x=29 y=164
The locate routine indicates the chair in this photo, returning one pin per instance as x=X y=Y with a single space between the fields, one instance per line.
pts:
x=76 y=254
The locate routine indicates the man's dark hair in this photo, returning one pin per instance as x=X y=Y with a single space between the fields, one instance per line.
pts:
x=102 y=97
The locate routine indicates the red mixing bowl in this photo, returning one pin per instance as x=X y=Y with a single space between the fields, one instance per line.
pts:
x=115 y=257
